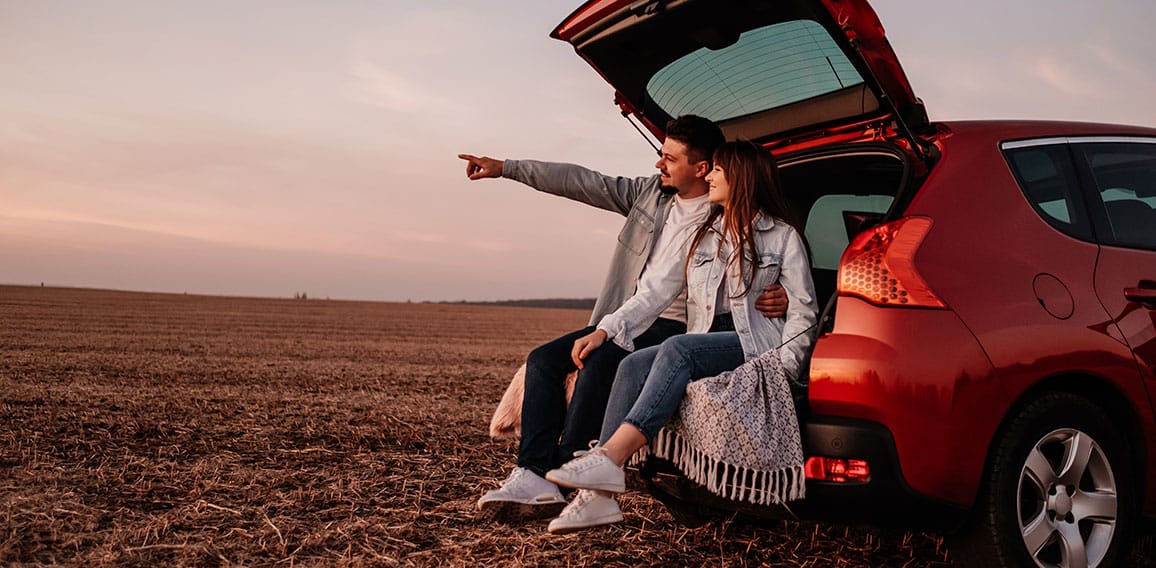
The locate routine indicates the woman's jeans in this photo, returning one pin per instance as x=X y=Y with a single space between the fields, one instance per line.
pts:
x=651 y=382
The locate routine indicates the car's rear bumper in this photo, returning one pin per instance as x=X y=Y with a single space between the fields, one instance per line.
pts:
x=885 y=499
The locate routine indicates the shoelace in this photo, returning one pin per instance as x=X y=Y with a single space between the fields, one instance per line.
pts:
x=587 y=461
x=583 y=497
x=580 y=453
x=514 y=475
x=583 y=459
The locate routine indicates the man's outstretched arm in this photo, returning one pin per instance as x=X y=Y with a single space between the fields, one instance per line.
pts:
x=571 y=181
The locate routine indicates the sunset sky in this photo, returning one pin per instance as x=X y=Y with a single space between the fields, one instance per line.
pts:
x=264 y=148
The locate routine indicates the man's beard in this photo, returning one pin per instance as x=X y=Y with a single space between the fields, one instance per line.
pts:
x=668 y=189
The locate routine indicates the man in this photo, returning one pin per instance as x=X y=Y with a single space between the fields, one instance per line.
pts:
x=658 y=210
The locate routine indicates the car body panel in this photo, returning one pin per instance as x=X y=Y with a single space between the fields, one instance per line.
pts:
x=1118 y=269
x=943 y=408
x=921 y=374
x=1126 y=269
x=1024 y=341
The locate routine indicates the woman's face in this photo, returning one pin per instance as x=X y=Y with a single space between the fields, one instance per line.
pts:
x=720 y=188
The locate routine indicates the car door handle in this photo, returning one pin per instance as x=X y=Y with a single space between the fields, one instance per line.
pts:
x=1144 y=293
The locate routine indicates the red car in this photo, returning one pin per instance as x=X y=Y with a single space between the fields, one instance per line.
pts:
x=987 y=358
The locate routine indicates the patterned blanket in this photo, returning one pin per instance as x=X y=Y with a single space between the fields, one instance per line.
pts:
x=737 y=434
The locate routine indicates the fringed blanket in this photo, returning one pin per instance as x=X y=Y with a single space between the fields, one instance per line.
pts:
x=737 y=434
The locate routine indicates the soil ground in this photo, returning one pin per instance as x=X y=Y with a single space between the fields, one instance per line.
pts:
x=151 y=429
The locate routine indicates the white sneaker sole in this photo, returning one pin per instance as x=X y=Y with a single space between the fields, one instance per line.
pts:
x=569 y=527
x=612 y=487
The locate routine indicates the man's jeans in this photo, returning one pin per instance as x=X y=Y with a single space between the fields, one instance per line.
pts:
x=551 y=432
x=651 y=382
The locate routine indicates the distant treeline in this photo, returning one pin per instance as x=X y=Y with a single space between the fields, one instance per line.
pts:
x=558 y=303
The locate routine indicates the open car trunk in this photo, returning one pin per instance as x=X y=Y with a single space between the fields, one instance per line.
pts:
x=780 y=72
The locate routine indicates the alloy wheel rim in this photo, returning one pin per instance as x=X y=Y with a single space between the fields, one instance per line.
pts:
x=1067 y=501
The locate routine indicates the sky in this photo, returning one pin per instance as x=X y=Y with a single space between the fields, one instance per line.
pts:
x=272 y=147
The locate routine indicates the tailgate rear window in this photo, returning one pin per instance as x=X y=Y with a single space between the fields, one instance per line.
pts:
x=767 y=67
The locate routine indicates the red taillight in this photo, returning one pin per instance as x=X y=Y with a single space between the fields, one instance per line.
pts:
x=879 y=265
x=837 y=470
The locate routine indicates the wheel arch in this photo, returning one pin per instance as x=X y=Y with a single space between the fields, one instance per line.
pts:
x=1097 y=390
x=985 y=535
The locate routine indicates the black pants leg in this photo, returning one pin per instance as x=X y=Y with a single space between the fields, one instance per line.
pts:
x=544 y=401
x=551 y=432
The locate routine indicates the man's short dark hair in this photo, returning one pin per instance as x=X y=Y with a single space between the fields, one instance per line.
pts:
x=700 y=135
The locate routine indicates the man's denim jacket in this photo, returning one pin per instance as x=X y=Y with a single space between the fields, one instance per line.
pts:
x=641 y=200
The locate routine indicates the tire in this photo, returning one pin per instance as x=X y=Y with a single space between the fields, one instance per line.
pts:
x=1032 y=510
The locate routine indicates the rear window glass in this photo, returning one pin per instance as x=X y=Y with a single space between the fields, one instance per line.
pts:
x=766 y=68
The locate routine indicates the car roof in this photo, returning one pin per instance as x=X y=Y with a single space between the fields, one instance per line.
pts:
x=1005 y=130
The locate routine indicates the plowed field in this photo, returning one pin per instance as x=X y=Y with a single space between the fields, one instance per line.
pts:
x=149 y=430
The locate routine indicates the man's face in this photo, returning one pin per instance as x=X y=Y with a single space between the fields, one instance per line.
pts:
x=676 y=168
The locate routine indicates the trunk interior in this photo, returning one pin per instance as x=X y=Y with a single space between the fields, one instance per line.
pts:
x=838 y=193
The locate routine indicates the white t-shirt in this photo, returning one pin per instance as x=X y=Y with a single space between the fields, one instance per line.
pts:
x=722 y=301
x=683 y=219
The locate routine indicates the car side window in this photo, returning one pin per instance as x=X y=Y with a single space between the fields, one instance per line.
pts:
x=1123 y=180
x=1048 y=180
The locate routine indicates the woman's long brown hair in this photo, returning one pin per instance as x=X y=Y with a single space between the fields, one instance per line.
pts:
x=754 y=181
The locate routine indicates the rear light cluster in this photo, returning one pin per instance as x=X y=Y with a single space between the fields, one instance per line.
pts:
x=879 y=265
x=837 y=470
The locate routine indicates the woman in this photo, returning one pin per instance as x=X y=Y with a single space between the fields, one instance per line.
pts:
x=747 y=242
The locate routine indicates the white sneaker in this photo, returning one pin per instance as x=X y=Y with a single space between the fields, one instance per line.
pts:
x=588 y=509
x=591 y=471
x=523 y=495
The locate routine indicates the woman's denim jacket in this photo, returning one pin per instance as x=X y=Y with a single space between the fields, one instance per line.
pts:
x=782 y=258
x=641 y=200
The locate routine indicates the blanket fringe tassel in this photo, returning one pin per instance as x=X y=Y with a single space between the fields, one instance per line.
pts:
x=737 y=483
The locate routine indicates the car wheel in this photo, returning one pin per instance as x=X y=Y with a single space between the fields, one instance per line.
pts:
x=1058 y=491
